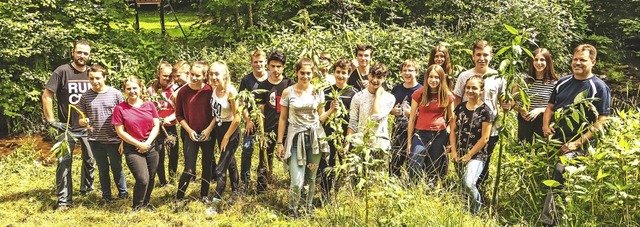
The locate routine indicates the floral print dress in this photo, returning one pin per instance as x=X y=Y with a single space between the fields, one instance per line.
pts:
x=469 y=124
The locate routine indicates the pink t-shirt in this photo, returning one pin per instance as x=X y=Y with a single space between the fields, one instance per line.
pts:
x=138 y=122
x=431 y=117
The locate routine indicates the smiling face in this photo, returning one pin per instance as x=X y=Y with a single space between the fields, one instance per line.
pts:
x=439 y=58
x=473 y=88
x=132 y=90
x=164 y=77
x=97 y=81
x=364 y=57
x=482 y=57
x=217 y=75
x=582 y=64
x=305 y=74
x=341 y=75
x=375 y=81
x=197 y=77
x=409 y=74
x=433 y=80
x=539 y=62
x=81 y=54
x=258 y=64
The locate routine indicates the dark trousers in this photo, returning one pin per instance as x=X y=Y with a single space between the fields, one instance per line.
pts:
x=245 y=159
x=548 y=211
x=143 y=168
x=173 y=154
x=64 y=187
x=398 y=148
x=227 y=158
x=265 y=166
x=528 y=129
x=190 y=157
x=107 y=155
x=327 y=174
x=493 y=140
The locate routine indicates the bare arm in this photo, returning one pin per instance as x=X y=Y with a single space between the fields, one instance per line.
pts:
x=47 y=105
x=453 y=137
x=412 y=125
x=154 y=131
x=546 y=120
x=126 y=137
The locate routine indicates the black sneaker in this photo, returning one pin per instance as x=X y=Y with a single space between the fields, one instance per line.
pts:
x=123 y=196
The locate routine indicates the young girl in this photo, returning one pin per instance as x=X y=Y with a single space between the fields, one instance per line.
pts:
x=227 y=137
x=541 y=80
x=302 y=109
x=440 y=56
x=470 y=130
x=427 y=130
x=137 y=123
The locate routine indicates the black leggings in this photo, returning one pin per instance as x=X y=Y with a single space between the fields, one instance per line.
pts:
x=191 y=149
x=143 y=167
x=227 y=158
x=173 y=154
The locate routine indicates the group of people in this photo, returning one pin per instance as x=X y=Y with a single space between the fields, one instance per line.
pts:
x=435 y=120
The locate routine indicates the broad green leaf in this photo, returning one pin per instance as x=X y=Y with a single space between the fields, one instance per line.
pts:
x=602 y=174
x=502 y=50
x=551 y=183
x=511 y=29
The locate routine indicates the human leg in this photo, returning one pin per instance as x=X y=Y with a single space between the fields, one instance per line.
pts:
x=472 y=172
x=190 y=157
x=101 y=157
x=138 y=166
x=207 y=165
x=245 y=159
x=115 y=160
x=419 y=143
x=152 y=161
x=88 y=164
x=161 y=149
x=438 y=156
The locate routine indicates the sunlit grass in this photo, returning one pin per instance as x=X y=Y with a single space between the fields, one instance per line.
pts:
x=150 y=21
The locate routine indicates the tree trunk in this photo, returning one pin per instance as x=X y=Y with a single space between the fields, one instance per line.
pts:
x=250 y=14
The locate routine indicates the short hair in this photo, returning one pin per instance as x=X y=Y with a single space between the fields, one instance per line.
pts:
x=587 y=47
x=81 y=42
x=481 y=44
x=342 y=63
x=257 y=54
x=277 y=55
x=202 y=66
x=379 y=69
x=302 y=62
x=97 y=68
x=363 y=47
x=410 y=63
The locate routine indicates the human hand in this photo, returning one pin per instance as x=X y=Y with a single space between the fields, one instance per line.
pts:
x=224 y=143
x=465 y=158
x=454 y=155
x=568 y=147
x=280 y=151
x=397 y=110
x=204 y=135
x=193 y=135
x=143 y=147
x=335 y=105
x=248 y=127
x=58 y=125
x=408 y=149
x=534 y=113
x=379 y=91
x=548 y=131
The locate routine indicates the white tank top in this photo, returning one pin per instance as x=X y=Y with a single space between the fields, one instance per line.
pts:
x=221 y=108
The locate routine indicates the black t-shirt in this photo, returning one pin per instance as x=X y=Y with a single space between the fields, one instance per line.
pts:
x=271 y=102
x=249 y=82
x=68 y=84
x=346 y=100
x=469 y=124
x=356 y=80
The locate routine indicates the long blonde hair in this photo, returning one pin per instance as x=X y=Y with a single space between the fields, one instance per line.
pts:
x=227 y=76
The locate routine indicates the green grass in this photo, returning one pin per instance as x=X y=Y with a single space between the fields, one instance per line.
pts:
x=150 y=21
x=27 y=198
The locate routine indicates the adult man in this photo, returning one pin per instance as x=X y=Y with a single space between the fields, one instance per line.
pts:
x=270 y=107
x=493 y=87
x=68 y=82
x=250 y=83
x=576 y=139
x=372 y=104
x=97 y=104
x=364 y=54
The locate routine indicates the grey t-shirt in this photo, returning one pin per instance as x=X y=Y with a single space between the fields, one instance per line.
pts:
x=98 y=107
x=303 y=110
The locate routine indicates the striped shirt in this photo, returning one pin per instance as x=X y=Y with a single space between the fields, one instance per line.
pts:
x=539 y=93
x=98 y=107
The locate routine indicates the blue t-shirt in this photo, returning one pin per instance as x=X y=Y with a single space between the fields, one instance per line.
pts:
x=564 y=94
x=403 y=97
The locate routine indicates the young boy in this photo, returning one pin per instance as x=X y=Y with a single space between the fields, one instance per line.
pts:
x=97 y=104
x=364 y=54
x=269 y=104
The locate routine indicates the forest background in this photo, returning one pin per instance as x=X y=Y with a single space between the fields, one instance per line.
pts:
x=36 y=36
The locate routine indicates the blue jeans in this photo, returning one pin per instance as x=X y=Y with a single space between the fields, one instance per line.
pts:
x=64 y=187
x=469 y=174
x=301 y=174
x=428 y=154
x=107 y=155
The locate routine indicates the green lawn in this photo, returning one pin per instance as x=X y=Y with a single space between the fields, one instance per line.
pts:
x=150 y=20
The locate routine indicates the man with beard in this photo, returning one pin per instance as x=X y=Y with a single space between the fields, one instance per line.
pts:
x=68 y=82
